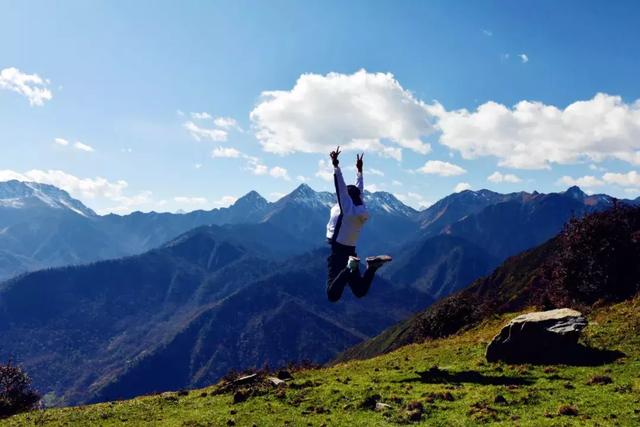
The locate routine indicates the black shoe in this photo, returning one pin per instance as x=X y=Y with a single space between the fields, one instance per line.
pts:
x=377 y=261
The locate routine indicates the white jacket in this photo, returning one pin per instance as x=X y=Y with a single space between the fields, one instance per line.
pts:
x=346 y=219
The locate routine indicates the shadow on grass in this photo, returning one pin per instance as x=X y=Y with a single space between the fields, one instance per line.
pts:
x=436 y=375
x=577 y=355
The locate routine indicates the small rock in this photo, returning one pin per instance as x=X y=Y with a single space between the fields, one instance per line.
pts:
x=382 y=406
x=369 y=402
x=568 y=410
x=600 y=379
x=283 y=374
x=246 y=379
x=240 y=396
x=275 y=381
x=500 y=400
x=414 y=415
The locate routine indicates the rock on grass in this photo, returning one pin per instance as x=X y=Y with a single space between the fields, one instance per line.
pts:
x=568 y=410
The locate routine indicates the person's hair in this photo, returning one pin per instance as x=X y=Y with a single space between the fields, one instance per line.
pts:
x=354 y=193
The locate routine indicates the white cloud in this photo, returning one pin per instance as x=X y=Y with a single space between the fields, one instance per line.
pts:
x=372 y=171
x=438 y=167
x=61 y=141
x=487 y=33
x=279 y=172
x=200 y=133
x=415 y=200
x=187 y=200
x=532 y=135
x=226 y=123
x=498 y=177
x=632 y=192
x=198 y=165
x=523 y=58
x=325 y=170
x=629 y=179
x=302 y=178
x=354 y=111
x=225 y=152
x=396 y=183
x=83 y=147
x=92 y=189
x=225 y=201
x=461 y=186
x=201 y=116
x=588 y=181
x=32 y=86
x=373 y=188
x=276 y=196
x=257 y=168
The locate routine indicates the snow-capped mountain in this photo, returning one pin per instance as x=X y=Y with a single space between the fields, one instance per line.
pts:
x=28 y=195
x=381 y=201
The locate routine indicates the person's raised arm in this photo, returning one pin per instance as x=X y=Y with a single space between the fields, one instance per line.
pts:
x=359 y=179
x=344 y=200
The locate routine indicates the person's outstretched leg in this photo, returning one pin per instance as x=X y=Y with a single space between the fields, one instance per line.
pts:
x=338 y=274
x=360 y=285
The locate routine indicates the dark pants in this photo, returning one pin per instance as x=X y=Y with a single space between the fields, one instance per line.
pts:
x=339 y=275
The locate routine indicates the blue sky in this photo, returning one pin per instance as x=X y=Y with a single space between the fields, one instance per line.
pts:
x=441 y=95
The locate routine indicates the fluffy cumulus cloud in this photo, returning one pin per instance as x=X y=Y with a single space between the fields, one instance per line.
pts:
x=111 y=194
x=279 y=172
x=438 y=167
x=360 y=111
x=461 y=186
x=31 y=86
x=629 y=179
x=533 y=135
x=523 y=58
x=498 y=177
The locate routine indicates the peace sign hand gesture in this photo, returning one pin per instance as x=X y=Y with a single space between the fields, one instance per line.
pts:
x=359 y=162
x=334 y=157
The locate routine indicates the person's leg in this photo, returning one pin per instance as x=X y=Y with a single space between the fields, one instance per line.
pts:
x=360 y=285
x=338 y=273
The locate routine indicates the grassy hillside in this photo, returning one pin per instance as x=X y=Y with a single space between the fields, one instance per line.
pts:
x=463 y=390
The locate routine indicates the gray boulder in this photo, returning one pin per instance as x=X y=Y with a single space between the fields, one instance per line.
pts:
x=538 y=337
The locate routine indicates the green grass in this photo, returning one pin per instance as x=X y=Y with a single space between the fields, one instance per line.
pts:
x=333 y=395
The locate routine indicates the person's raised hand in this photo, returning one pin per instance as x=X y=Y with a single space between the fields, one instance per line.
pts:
x=359 y=162
x=334 y=156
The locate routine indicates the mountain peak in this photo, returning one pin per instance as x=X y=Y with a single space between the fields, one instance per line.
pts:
x=575 y=192
x=22 y=194
x=252 y=200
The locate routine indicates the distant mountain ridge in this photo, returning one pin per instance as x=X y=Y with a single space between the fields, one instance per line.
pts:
x=32 y=215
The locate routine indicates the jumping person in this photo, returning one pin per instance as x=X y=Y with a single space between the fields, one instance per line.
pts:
x=347 y=218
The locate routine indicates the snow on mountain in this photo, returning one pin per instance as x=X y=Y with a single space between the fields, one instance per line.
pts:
x=21 y=195
x=383 y=201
